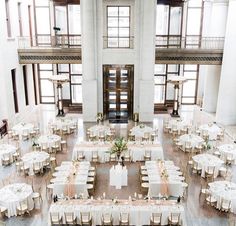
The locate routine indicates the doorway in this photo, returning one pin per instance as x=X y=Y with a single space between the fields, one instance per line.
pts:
x=118 y=92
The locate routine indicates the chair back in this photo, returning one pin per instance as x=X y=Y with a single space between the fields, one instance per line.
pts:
x=156 y=217
x=175 y=217
x=85 y=217
x=124 y=217
x=54 y=217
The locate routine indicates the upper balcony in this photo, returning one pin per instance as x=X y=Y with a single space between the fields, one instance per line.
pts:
x=189 y=50
x=49 y=49
x=169 y=49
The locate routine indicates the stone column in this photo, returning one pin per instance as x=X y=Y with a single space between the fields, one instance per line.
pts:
x=147 y=59
x=214 y=28
x=226 y=107
x=89 y=59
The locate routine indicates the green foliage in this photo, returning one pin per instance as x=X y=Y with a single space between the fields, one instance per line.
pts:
x=120 y=145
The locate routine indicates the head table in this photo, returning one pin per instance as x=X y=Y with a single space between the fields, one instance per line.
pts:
x=139 y=211
x=136 y=149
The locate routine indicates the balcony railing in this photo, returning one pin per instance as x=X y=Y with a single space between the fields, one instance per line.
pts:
x=112 y=42
x=189 y=42
x=61 y=41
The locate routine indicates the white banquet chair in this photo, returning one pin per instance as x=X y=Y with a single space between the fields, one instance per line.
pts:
x=225 y=205
x=174 y=219
x=70 y=219
x=124 y=219
x=155 y=219
x=106 y=219
x=55 y=218
x=86 y=218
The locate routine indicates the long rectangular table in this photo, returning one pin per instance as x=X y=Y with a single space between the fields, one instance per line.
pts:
x=139 y=211
x=137 y=151
x=70 y=179
x=164 y=179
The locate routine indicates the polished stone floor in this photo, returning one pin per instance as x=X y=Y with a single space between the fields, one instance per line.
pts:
x=197 y=211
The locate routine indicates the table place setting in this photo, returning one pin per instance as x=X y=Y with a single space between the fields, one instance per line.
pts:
x=139 y=210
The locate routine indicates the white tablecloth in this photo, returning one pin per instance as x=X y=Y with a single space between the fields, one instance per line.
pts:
x=49 y=140
x=212 y=130
x=207 y=160
x=138 y=131
x=174 y=184
x=139 y=211
x=194 y=140
x=178 y=124
x=35 y=157
x=137 y=151
x=7 y=149
x=23 y=128
x=11 y=195
x=70 y=179
x=64 y=123
x=118 y=176
x=99 y=130
x=227 y=150
x=224 y=190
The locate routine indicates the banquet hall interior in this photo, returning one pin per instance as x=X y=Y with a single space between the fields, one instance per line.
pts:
x=118 y=112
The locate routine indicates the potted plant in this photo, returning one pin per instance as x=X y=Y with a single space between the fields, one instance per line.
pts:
x=119 y=146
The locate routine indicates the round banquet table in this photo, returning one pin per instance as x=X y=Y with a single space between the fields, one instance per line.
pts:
x=194 y=140
x=49 y=140
x=224 y=190
x=35 y=157
x=11 y=195
x=207 y=160
x=227 y=150
x=138 y=131
x=7 y=149
x=178 y=124
x=23 y=128
x=98 y=130
x=64 y=123
x=212 y=130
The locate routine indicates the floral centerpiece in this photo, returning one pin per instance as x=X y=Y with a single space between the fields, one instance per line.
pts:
x=34 y=143
x=119 y=146
x=164 y=174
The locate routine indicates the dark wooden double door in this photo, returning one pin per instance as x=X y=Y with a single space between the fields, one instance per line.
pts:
x=118 y=92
